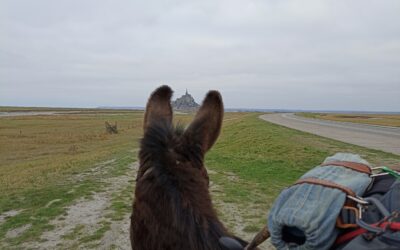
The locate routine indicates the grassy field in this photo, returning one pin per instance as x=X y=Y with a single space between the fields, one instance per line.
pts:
x=48 y=163
x=373 y=119
x=40 y=155
x=37 y=150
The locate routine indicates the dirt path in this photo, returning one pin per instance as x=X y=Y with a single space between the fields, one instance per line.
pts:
x=88 y=224
x=237 y=217
x=91 y=222
x=376 y=137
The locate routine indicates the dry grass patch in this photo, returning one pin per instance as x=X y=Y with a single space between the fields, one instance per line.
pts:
x=373 y=119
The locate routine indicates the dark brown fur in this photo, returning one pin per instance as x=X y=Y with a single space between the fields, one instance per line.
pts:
x=172 y=207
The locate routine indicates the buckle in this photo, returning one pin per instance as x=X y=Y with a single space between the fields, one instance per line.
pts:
x=351 y=214
x=348 y=217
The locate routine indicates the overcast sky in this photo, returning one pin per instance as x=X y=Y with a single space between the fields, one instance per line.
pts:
x=332 y=55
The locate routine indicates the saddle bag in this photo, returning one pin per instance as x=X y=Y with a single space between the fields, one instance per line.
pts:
x=339 y=205
x=380 y=227
x=306 y=215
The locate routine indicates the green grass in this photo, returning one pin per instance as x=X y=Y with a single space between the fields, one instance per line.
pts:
x=121 y=203
x=264 y=153
x=251 y=229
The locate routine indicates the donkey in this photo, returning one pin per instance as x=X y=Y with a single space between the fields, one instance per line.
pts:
x=172 y=207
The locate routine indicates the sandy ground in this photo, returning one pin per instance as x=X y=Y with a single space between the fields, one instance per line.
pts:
x=375 y=137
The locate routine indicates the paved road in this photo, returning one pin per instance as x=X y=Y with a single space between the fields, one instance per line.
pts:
x=376 y=137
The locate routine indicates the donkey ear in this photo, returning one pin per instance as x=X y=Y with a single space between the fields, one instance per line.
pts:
x=207 y=123
x=158 y=107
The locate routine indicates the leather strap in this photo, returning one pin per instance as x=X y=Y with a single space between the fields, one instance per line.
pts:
x=359 y=167
x=326 y=183
x=348 y=217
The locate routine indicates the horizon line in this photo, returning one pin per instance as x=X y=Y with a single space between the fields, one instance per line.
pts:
x=226 y=109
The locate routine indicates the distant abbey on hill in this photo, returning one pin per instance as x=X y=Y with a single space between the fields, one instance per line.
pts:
x=185 y=103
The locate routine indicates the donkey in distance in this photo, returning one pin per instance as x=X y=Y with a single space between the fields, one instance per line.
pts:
x=172 y=207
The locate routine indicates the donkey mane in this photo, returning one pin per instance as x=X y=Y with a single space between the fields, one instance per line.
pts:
x=160 y=140
x=172 y=207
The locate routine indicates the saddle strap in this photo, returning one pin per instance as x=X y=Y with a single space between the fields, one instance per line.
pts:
x=325 y=183
x=359 y=167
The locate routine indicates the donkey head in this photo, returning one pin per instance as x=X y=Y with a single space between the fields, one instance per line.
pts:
x=178 y=149
x=172 y=208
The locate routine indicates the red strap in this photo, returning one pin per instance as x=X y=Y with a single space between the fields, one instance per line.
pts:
x=395 y=226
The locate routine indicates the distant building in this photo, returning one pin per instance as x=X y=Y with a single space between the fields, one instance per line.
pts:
x=185 y=103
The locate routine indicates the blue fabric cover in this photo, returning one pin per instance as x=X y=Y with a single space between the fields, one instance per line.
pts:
x=314 y=208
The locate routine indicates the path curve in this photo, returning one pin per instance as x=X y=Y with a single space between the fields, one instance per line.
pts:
x=371 y=136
